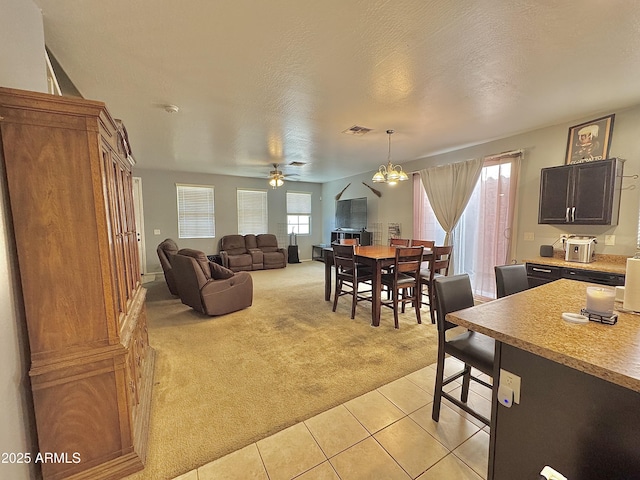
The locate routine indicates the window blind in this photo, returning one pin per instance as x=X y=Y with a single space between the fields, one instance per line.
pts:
x=196 y=218
x=298 y=203
x=252 y=212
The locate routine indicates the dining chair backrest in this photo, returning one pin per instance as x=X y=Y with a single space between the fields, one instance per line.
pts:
x=399 y=242
x=348 y=241
x=452 y=294
x=408 y=260
x=511 y=279
x=343 y=257
x=428 y=244
x=440 y=261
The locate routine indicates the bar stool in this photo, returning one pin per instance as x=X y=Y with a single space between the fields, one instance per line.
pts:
x=510 y=279
x=474 y=349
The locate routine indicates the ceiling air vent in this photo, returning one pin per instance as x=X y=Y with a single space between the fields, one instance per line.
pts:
x=357 y=130
x=297 y=164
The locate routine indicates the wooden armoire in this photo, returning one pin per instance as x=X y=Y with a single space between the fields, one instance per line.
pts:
x=68 y=175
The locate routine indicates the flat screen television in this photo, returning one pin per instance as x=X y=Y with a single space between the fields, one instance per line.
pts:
x=351 y=214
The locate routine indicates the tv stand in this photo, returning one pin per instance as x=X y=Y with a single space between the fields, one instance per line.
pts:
x=362 y=235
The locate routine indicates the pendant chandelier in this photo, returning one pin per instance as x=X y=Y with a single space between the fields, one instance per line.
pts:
x=276 y=178
x=390 y=173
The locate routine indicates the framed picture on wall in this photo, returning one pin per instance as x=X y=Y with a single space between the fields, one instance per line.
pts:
x=590 y=141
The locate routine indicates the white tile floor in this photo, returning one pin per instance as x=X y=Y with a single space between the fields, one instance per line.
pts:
x=387 y=433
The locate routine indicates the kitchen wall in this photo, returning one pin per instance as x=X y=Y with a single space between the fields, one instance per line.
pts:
x=22 y=65
x=161 y=211
x=544 y=147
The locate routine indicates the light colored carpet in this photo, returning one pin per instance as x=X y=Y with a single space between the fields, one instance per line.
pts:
x=222 y=383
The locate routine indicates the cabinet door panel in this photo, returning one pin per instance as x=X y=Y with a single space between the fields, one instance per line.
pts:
x=592 y=192
x=555 y=191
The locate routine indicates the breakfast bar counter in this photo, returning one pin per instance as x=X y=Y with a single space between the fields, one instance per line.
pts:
x=579 y=408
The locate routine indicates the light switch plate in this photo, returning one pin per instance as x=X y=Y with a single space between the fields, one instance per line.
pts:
x=156 y=231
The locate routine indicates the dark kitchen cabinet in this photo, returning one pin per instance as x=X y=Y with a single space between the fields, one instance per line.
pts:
x=582 y=193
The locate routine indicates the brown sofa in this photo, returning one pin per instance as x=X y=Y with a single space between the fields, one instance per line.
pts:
x=252 y=252
x=166 y=250
x=208 y=287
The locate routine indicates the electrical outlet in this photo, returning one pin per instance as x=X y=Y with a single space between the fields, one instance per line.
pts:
x=609 y=239
x=512 y=381
x=563 y=237
x=156 y=231
x=528 y=236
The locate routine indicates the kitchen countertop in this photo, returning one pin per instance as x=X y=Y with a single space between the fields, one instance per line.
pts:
x=603 y=263
x=532 y=321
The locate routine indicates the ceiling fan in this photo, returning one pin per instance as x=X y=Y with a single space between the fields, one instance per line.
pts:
x=276 y=177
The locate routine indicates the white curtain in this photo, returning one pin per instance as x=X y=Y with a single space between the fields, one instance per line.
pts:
x=425 y=224
x=449 y=188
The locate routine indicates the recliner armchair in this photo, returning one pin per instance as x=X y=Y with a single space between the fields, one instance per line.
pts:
x=208 y=287
x=166 y=250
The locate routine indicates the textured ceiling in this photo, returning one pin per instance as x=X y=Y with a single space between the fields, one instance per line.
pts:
x=275 y=82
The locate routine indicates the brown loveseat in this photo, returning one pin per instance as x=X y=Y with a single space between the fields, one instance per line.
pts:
x=252 y=252
x=208 y=287
x=166 y=250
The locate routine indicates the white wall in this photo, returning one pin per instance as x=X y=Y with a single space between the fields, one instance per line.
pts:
x=22 y=65
x=395 y=205
x=161 y=211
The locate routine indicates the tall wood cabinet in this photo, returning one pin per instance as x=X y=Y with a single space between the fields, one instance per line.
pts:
x=68 y=175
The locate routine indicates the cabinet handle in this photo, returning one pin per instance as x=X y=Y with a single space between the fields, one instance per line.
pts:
x=573 y=214
x=566 y=216
x=543 y=270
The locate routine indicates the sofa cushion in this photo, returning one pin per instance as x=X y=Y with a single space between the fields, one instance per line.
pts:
x=200 y=257
x=233 y=244
x=267 y=242
x=250 y=241
x=218 y=272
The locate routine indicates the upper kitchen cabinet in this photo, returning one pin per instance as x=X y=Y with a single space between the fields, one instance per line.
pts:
x=582 y=193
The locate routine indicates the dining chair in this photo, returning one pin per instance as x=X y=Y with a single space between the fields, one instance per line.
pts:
x=511 y=279
x=437 y=266
x=349 y=274
x=399 y=242
x=404 y=281
x=474 y=349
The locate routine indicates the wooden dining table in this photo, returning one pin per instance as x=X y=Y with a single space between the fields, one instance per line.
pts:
x=376 y=257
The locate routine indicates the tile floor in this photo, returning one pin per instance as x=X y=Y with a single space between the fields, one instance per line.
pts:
x=387 y=433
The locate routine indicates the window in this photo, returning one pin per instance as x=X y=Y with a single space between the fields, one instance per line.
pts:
x=252 y=212
x=425 y=224
x=196 y=217
x=298 y=213
x=482 y=237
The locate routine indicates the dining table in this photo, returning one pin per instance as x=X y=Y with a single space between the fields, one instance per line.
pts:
x=376 y=257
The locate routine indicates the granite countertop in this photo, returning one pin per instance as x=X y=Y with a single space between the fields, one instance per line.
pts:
x=603 y=263
x=532 y=321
